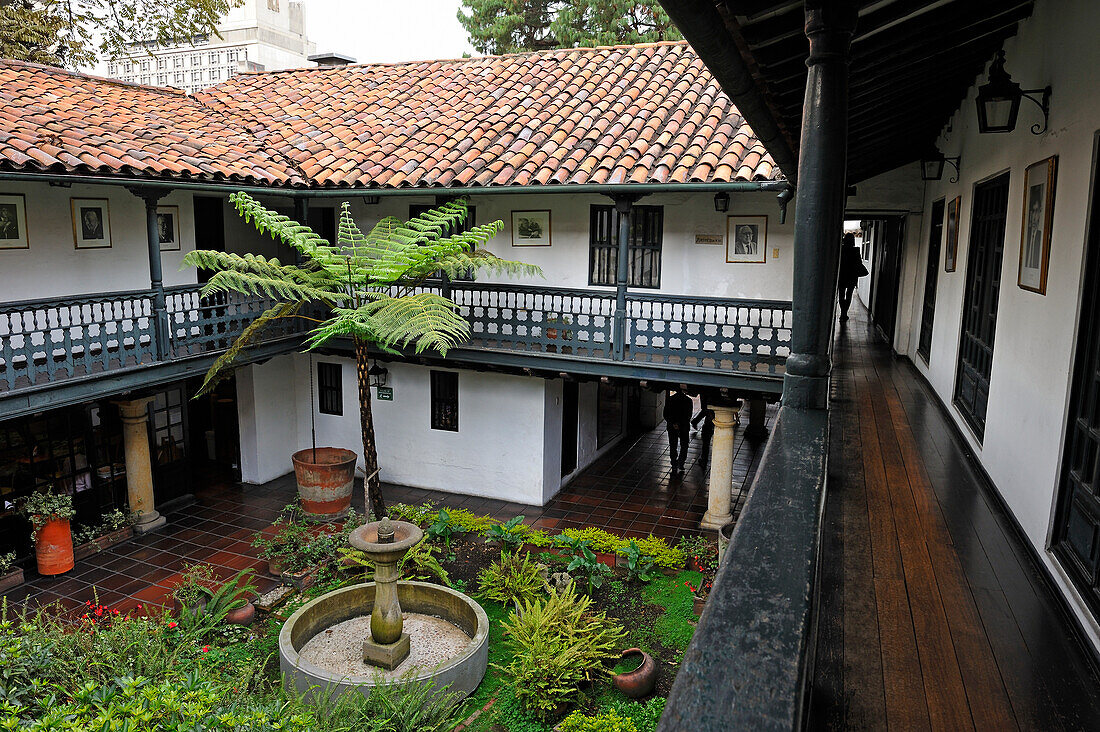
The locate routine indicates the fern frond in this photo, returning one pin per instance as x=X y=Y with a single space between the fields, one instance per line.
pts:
x=424 y=321
x=248 y=336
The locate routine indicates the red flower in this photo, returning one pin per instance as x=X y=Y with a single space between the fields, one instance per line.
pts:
x=173 y=624
x=205 y=649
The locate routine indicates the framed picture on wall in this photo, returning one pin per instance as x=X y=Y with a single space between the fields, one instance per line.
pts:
x=13 y=221
x=168 y=228
x=91 y=223
x=1035 y=230
x=530 y=228
x=746 y=239
x=951 y=229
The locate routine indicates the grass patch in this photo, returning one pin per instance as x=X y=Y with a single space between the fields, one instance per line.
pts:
x=676 y=626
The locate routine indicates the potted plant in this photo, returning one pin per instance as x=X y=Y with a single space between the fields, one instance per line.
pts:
x=193 y=591
x=283 y=547
x=10 y=575
x=326 y=478
x=49 y=514
x=113 y=528
x=230 y=602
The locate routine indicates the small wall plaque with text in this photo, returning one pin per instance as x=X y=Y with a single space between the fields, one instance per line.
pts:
x=715 y=240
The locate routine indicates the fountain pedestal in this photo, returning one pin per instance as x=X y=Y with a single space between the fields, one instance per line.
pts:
x=385 y=542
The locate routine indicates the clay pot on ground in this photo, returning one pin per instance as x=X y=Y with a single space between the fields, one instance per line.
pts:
x=698 y=605
x=275 y=569
x=724 y=535
x=326 y=478
x=243 y=615
x=53 y=547
x=641 y=680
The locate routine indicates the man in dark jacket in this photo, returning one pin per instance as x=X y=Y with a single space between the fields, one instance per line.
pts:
x=851 y=269
x=678 y=408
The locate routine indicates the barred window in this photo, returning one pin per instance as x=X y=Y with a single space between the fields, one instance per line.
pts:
x=330 y=391
x=445 y=400
x=646 y=235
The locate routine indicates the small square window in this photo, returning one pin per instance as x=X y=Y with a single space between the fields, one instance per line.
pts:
x=445 y=400
x=330 y=391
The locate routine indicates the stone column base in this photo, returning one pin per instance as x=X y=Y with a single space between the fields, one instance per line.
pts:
x=715 y=522
x=148 y=525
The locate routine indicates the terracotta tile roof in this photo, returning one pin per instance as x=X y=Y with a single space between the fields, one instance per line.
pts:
x=52 y=120
x=649 y=113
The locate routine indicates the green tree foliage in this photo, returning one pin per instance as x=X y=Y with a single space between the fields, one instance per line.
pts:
x=73 y=33
x=512 y=26
x=367 y=287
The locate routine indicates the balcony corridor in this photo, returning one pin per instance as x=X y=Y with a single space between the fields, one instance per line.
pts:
x=932 y=614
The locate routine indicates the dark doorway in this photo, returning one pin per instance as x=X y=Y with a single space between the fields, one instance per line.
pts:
x=931 y=278
x=168 y=431
x=569 y=427
x=1076 y=538
x=213 y=430
x=983 y=284
x=323 y=222
x=886 y=274
x=209 y=228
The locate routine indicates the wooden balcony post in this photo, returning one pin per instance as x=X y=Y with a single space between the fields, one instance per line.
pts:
x=301 y=215
x=623 y=205
x=151 y=197
x=819 y=202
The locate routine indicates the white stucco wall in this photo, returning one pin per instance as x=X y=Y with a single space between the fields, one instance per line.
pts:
x=267 y=414
x=686 y=267
x=53 y=266
x=1036 y=334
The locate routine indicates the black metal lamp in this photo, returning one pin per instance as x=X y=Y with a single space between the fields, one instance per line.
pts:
x=721 y=202
x=377 y=376
x=999 y=101
x=372 y=200
x=931 y=166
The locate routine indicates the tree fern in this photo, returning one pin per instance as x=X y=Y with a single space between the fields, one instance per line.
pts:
x=368 y=285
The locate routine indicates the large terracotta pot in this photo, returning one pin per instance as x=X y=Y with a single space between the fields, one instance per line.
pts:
x=53 y=547
x=326 y=478
x=640 y=681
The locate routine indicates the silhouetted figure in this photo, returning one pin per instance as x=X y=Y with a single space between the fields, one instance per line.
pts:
x=851 y=269
x=706 y=416
x=678 y=408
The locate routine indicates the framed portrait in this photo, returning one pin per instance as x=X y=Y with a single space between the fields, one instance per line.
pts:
x=530 y=228
x=1035 y=230
x=91 y=223
x=747 y=239
x=951 y=231
x=168 y=228
x=13 y=221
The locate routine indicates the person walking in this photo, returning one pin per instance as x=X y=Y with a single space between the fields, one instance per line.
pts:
x=678 y=409
x=851 y=269
x=706 y=416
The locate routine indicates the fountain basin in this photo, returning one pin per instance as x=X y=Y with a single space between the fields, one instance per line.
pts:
x=462 y=673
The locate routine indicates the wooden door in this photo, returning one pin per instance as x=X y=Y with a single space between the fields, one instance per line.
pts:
x=931 y=279
x=1076 y=537
x=983 y=284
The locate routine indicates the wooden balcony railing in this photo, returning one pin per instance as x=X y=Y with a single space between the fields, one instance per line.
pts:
x=44 y=342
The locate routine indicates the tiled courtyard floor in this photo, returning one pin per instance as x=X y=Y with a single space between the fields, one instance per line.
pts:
x=629 y=490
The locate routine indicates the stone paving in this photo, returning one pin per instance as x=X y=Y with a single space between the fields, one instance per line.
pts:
x=630 y=490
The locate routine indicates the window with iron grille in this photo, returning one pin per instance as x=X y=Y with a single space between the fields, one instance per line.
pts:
x=330 y=391
x=646 y=235
x=471 y=217
x=445 y=400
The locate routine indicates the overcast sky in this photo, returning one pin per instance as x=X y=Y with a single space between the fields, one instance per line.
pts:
x=387 y=30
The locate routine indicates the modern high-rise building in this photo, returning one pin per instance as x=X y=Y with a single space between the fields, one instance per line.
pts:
x=259 y=35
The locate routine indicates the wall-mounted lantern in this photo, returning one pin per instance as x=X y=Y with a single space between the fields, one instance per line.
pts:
x=721 y=202
x=999 y=101
x=377 y=376
x=372 y=200
x=931 y=166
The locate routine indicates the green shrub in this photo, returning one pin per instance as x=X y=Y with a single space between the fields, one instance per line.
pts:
x=639 y=566
x=419 y=515
x=509 y=534
x=601 y=541
x=645 y=715
x=515 y=578
x=7 y=561
x=471 y=522
x=443 y=527
x=605 y=721
x=538 y=537
x=665 y=556
x=419 y=563
x=557 y=644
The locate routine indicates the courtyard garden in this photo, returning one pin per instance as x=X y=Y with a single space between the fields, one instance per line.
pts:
x=562 y=609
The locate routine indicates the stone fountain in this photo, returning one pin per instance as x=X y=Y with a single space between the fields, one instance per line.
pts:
x=386 y=631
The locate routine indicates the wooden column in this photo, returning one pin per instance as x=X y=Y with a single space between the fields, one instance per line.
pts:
x=623 y=205
x=139 y=464
x=819 y=202
x=152 y=197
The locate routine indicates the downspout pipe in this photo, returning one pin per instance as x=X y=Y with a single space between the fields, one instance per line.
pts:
x=705 y=29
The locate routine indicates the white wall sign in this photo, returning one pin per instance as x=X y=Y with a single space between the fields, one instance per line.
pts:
x=714 y=240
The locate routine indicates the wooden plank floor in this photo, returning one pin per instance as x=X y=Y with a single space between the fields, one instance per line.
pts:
x=932 y=614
